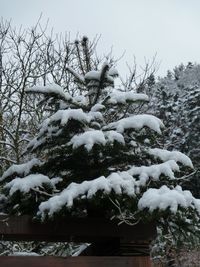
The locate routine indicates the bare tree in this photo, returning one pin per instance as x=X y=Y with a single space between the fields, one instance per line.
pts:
x=30 y=57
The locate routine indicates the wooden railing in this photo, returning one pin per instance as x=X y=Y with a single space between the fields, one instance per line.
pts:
x=111 y=244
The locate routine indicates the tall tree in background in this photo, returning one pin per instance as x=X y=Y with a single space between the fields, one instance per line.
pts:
x=175 y=99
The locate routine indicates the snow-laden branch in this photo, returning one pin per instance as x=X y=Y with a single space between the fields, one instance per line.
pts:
x=127 y=182
x=137 y=122
x=62 y=117
x=154 y=171
x=164 y=197
x=54 y=89
x=119 y=97
x=20 y=169
x=165 y=155
x=92 y=137
x=27 y=183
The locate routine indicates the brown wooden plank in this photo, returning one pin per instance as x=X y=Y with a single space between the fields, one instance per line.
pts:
x=73 y=229
x=116 y=248
x=74 y=261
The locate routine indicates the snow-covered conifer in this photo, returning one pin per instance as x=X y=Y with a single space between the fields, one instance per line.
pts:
x=94 y=157
x=175 y=99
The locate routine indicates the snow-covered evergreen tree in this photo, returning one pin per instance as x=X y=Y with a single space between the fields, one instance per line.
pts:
x=176 y=101
x=192 y=116
x=93 y=157
x=191 y=127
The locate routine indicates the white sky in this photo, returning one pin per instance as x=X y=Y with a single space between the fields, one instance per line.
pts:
x=170 y=28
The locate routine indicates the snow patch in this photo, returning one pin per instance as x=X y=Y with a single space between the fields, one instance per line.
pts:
x=137 y=122
x=112 y=136
x=24 y=253
x=65 y=115
x=88 y=139
x=50 y=89
x=165 y=155
x=21 y=169
x=25 y=184
x=92 y=137
x=118 y=97
x=118 y=182
x=165 y=197
x=97 y=107
x=154 y=171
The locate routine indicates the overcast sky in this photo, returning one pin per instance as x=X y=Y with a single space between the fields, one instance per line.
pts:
x=170 y=28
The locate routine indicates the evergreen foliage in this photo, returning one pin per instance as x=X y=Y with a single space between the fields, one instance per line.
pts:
x=175 y=99
x=93 y=157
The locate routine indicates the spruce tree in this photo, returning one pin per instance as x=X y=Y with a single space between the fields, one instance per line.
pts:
x=93 y=157
x=175 y=99
x=191 y=103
